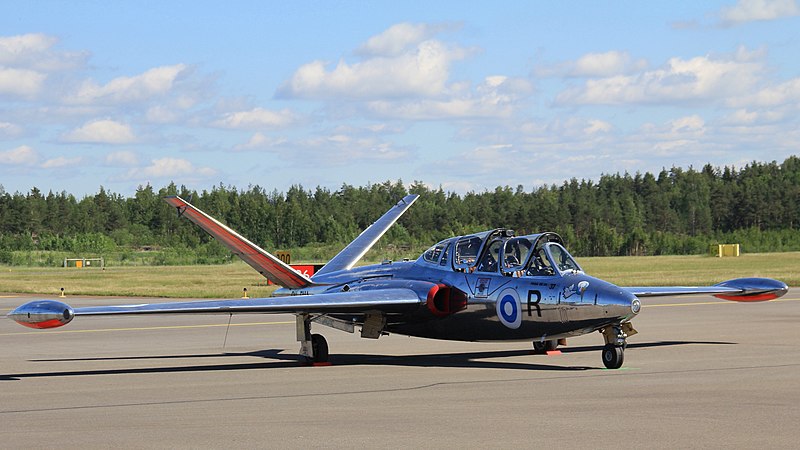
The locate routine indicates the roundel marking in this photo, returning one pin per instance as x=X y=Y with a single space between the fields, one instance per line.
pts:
x=508 y=309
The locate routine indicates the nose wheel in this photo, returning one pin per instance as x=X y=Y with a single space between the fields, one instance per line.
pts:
x=613 y=356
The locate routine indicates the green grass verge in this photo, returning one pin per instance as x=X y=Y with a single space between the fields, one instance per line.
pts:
x=228 y=280
x=203 y=281
x=691 y=270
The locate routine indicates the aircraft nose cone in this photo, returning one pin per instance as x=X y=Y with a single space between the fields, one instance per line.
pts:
x=636 y=305
x=631 y=305
x=620 y=303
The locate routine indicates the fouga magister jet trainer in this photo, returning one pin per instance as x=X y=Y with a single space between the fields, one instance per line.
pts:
x=488 y=286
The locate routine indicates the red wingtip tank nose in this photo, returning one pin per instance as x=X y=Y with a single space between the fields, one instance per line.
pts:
x=43 y=314
x=754 y=289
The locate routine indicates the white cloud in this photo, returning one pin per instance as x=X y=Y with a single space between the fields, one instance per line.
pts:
x=559 y=149
x=405 y=74
x=758 y=10
x=122 y=159
x=680 y=80
x=10 y=129
x=420 y=71
x=606 y=64
x=169 y=167
x=399 y=38
x=257 y=118
x=260 y=141
x=15 y=48
x=751 y=118
x=154 y=82
x=595 y=65
x=690 y=124
x=598 y=126
x=161 y=114
x=61 y=161
x=497 y=96
x=786 y=93
x=334 y=149
x=20 y=82
x=104 y=131
x=34 y=51
x=20 y=156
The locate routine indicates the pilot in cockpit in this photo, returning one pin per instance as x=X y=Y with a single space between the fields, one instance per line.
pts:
x=511 y=258
x=539 y=265
x=489 y=261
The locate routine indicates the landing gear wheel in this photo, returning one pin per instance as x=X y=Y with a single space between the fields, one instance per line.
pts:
x=320 y=347
x=613 y=356
x=546 y=346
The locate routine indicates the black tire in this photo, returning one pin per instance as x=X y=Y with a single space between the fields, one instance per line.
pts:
x=613 y=356
x=546 y=346
x=320 y=347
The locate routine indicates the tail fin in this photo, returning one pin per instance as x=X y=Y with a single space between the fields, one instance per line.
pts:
x=347 y=258
x=266 y=264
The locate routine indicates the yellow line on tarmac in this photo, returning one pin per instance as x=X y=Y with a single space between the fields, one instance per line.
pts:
x=171 y=327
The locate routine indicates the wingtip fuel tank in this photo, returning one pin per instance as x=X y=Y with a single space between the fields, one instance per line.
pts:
x=43 y=314
x=754 y=289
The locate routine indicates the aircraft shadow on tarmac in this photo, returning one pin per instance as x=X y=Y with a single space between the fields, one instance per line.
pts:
x=276 y=359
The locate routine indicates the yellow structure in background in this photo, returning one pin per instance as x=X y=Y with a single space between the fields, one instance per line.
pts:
x=720 y=250
x=284 y=256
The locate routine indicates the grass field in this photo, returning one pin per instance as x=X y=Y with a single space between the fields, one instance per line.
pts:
x=228 y=281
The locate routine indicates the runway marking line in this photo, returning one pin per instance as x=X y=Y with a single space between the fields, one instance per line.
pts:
x=167 y=327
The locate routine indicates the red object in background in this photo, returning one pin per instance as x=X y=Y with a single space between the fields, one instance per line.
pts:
x=306 y=269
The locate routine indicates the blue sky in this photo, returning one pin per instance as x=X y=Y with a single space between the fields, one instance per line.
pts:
x=463 y=95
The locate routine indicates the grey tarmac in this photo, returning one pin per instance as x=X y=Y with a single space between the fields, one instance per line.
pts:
x=701 y=373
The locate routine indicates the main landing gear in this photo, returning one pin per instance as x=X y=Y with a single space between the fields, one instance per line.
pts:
x=313 y=347
x=614 y=350
x=545 y=346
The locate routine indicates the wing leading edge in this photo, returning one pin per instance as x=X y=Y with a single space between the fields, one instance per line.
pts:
x=52 y=313
x=265 y=263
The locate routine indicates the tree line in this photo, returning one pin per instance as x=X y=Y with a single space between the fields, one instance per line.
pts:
x=676 y=211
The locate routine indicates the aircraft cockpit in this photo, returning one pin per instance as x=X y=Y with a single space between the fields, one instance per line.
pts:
x=500 y=251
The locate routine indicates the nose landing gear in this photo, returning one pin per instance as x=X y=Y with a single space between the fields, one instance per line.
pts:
x=614 y=350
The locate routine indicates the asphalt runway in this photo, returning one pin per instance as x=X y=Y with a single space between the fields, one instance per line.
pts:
x=701 y=373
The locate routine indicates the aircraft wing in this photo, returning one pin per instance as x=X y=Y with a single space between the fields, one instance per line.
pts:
x=739 y=289
x=265 y=263
x=347 y=258
x=52 y=313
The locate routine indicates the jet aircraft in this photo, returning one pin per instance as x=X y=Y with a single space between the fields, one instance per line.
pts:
x=488 y=286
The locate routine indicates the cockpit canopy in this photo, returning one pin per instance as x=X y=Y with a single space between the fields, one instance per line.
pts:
x=499 y=251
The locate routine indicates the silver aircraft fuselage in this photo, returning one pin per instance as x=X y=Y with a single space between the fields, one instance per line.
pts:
x=471 y=305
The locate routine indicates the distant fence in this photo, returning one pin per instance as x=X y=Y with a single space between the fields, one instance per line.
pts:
x=84 y=262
